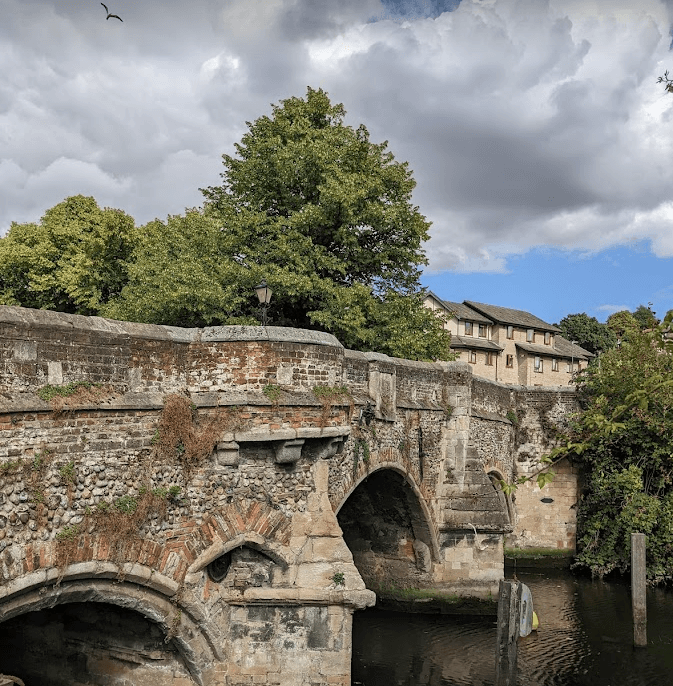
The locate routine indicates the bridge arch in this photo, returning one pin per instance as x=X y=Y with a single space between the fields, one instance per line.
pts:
x=194 y=640
x=497 y=473
x=389 y=528
x=426 y=527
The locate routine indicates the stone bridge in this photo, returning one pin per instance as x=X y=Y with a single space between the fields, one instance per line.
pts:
x=210 y=506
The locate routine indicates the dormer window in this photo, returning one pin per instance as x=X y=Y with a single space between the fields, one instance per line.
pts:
x=482 y=330
x=468 y=328
x=547 y=338
x=530 y=335
x=510 y=332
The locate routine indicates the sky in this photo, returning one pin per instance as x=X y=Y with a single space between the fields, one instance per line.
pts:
x=539 y=138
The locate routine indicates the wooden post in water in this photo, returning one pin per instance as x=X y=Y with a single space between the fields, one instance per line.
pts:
x=638 y=585
x=509 y=619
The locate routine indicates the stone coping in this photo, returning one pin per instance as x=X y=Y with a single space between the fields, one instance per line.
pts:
x=211 y=334
x=30 y=402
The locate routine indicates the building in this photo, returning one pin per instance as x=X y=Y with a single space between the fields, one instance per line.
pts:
x=508 y=345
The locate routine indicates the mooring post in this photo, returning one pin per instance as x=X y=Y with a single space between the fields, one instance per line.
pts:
x=638 y=585
x=509 y=619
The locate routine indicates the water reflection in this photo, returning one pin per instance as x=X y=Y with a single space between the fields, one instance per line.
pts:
x=585 y=639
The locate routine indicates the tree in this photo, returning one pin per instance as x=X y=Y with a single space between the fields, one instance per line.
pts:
x=645 y=317
x=624 y=438
x=326 y=217
x=623 y=324
x=183 y=274
x=587 y=332
x=75 y=260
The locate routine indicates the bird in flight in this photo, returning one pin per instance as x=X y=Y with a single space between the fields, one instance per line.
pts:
x=114 y=16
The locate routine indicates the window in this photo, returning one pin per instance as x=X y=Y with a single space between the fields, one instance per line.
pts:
x=569 y=367
x=489 y=359
x=482 y=330
x=472 y=357
x=538 y=365
x=530 y=335
x=554 y=365
x=510 y=360
x=547 y=338
x=468 y=328
x=510 y=332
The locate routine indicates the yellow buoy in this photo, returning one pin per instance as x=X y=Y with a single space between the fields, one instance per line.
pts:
x=536 y=621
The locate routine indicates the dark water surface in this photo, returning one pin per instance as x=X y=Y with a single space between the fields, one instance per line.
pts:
x=585 y=639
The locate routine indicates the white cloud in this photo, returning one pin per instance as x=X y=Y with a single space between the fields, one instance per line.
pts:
x=526 y=122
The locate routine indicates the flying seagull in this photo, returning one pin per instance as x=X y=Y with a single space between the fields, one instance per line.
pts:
x=114 y=16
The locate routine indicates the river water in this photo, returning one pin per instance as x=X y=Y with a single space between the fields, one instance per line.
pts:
x=585 y=639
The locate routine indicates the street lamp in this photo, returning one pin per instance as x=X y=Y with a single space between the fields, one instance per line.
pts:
x=264 y=296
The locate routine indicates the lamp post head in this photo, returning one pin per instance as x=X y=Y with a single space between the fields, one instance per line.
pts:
x=263 y=293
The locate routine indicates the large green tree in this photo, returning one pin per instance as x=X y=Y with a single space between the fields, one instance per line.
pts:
x=184 y=273
x=326 y=216
x=587 y=332
x=624 y=439
x=74 y=260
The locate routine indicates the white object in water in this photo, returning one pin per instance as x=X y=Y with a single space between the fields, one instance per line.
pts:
x=526 y=622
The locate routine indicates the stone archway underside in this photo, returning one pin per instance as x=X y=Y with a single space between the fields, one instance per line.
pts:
x=387 y=530
x=108 y=629
x=89 y=643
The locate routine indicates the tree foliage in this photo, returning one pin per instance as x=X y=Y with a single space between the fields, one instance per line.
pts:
x=183 y=274
x=325 y=215
x=645 y=317
x=624 y=438
x=623 y=324
x=75 y=260
x=587 y=332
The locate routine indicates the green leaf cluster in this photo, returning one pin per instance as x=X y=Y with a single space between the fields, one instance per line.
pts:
x=74 y=260
x=588 y=332
x=326 y=217
x=624 y=438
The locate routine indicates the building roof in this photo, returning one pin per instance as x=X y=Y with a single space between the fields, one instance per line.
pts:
x=506 y=315
x=561 y=348
x=568 y=349
x=462 y=311
x=474 y=342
